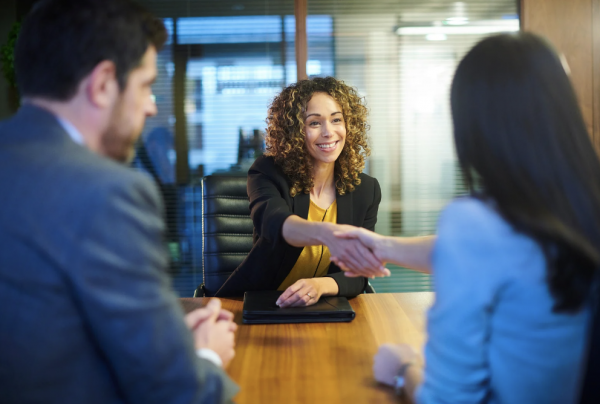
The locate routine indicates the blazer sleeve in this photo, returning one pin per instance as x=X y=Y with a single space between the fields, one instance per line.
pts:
x=268 y=208
x=125 y=298
x=351 y=287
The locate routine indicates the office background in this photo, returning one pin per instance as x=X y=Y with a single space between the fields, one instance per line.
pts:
x=232 y=58
x=227 y=59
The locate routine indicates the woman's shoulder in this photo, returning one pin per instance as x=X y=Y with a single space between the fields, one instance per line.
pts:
x=366 y=178
x=475 y=240
x=265 y=168
x=263 y=162
x=473 y=212
x=266 y=165
x=472 y=220
x=471 y=205
x=367 y=183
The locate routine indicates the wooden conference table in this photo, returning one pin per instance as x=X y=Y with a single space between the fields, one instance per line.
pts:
x=322 y=362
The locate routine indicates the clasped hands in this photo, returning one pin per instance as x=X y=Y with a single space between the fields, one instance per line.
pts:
x=213 y=328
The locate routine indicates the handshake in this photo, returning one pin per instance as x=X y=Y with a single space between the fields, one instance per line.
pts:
x=358 y=251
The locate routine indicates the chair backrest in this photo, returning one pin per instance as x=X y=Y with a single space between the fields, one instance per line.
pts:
x=226 y=230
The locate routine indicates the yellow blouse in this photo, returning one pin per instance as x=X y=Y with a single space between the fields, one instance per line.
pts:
x=313 y=260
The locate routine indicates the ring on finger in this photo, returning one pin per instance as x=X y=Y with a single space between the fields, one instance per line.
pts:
x=309 y=296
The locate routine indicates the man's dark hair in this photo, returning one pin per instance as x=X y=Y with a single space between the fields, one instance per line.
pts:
x=520 y=137
x=62 y=41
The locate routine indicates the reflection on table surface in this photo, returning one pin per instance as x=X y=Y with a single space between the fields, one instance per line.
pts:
x=322 y=362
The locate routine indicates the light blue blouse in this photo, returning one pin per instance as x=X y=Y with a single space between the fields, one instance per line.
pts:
x=492 y=335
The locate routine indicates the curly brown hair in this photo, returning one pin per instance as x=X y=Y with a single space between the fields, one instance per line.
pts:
x=285 y=138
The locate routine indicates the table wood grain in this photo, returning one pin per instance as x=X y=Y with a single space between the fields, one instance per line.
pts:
x=322 y=362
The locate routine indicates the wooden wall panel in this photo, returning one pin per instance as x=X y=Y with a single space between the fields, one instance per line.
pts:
x=596 y=72
x=573 y=27
x=568 y=25
x=301 y=11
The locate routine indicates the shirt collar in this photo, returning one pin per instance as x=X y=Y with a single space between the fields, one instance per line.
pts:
x=71 y=130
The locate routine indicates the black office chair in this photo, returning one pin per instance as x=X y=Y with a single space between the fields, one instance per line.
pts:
x=226 y=230
x=369 y=288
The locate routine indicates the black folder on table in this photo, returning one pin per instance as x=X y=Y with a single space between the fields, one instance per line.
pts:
x=260 y=308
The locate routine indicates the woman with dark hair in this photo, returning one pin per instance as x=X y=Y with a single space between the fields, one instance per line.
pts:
x=514 y=264
x=309 y=184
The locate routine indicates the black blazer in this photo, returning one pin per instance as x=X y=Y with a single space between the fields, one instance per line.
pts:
x=272 y=258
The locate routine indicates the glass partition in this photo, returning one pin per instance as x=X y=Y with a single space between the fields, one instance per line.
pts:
x=226 y=60
x=401 y=56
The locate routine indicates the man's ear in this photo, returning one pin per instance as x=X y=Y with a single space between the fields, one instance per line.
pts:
x=102 y=87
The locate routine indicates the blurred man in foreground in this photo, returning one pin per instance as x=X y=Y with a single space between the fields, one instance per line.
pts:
x=88 y=315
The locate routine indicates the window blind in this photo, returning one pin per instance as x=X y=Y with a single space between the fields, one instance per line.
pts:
x=401 y=55
x=226 y=60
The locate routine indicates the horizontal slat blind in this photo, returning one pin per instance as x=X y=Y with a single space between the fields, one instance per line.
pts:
x=401 y=55
x=230 y=58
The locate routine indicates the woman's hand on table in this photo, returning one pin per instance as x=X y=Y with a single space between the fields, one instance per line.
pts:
x=306 y=292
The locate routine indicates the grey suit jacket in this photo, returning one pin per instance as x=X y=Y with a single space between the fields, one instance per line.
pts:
x=87 y=314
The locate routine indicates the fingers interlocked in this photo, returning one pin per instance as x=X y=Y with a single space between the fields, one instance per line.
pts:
x=213 y=328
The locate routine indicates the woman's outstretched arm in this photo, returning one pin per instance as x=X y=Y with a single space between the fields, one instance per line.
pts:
x=357 y=257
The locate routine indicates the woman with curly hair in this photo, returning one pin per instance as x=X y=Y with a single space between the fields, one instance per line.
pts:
x=307 y=185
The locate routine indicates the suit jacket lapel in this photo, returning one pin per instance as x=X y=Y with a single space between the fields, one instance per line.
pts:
x=344 y=208
x=301 y=205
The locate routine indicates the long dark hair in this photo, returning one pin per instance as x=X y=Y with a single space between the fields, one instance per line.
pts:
x=521 y=140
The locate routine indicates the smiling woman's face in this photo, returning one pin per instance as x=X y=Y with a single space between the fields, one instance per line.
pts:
x=325 y=129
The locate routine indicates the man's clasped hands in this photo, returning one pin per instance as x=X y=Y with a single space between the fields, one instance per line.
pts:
x=213 y=329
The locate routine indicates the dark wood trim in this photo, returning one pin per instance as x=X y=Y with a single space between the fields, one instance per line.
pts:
x=301 y=11
x=520 y=13
x=283 y=51
x=180 y=59
x=595 y=22
x=570 y=28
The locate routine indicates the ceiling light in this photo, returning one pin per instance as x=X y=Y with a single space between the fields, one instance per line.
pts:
x=483 y=27
x=457 y=21
x=436 y=37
